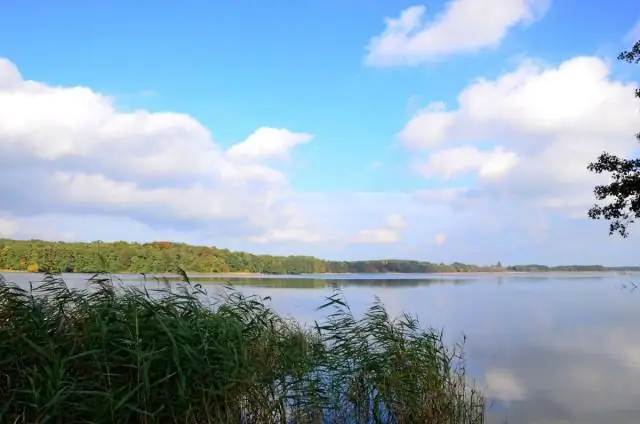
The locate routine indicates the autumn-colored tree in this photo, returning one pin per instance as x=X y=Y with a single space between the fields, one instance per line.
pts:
x=37 y=255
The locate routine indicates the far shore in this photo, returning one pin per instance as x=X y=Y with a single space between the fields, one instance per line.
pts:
x=338 y=274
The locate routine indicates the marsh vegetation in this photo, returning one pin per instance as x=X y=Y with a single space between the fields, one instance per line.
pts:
x=116 y=354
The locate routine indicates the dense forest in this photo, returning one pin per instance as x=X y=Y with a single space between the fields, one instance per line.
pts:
x=166 y=257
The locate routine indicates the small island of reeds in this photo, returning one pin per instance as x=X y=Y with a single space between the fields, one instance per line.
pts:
x=116 y=354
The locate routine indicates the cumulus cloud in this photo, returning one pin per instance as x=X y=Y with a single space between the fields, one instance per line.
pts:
x=428 y=127
x=411 y=38
x=549 y=121
x=30 y=228
x=396 y=221
x=285 y=235
x=293 y=226
x=503 y=385
x=8 y=228
x=389 y=232
x=267 y=143
x=450 y=163
x=70 y=150
x=73 y=161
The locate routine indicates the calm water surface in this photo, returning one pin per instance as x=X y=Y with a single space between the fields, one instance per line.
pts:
x=546 y=348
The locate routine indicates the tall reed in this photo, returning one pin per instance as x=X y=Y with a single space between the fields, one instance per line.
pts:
x=116 y=354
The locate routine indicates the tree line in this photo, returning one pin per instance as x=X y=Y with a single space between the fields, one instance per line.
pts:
x=167 y=257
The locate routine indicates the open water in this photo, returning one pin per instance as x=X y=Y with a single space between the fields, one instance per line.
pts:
x=545 y=348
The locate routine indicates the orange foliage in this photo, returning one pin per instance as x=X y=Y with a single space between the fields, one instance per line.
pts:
x=163 y=244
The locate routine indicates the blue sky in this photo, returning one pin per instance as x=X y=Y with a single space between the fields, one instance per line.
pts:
x=379 y=141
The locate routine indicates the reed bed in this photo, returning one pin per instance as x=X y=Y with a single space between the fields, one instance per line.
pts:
x=115 y=354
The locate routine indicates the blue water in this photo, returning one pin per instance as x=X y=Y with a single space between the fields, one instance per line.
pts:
x=545 y=348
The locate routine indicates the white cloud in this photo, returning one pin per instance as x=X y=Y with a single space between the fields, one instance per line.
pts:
x=304 y=235
x=441 y=196
x=31 y=229
x=8 y=228
x=71 y=159
x=396 y=221
x=428 y=127
x=463 y=26
x=9 y=75
x=450 y=163
x=70 y=150
x=267 y=143
x=377 y=235
x=550 y=121
x=389 y=232
x=503 y=385
x=293 y=225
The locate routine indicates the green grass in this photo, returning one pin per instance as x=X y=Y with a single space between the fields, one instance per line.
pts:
x=114 y=354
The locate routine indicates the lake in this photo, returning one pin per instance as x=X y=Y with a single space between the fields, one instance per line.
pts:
x=545 y=348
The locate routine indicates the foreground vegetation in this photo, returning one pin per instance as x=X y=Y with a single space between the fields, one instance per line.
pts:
x=113 y=354
x=164 y=257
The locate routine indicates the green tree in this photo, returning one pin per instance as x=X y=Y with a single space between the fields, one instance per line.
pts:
x=624 y=189
x=165 y=257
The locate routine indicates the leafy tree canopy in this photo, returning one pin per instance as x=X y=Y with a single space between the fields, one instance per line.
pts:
x=624 y=189
x=165 y=257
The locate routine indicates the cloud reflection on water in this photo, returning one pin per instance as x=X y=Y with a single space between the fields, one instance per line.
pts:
x=545 y=348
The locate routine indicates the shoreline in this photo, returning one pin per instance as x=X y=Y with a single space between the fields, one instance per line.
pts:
x=338 y=274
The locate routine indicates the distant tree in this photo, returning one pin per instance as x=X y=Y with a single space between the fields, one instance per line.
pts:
x=624 y=208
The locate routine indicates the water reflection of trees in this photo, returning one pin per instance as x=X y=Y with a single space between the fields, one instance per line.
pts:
x=315 y=283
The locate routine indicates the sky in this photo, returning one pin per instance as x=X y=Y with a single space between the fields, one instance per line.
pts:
x=442 y=131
